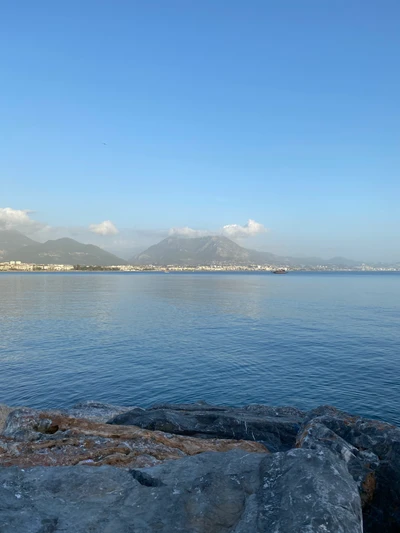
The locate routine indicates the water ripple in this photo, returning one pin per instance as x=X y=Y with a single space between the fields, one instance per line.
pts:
x=301 y=339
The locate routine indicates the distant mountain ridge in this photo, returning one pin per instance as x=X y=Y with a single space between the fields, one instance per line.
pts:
x=11 y=240
x=176 y=250
x=64 y=251
x=198 y=250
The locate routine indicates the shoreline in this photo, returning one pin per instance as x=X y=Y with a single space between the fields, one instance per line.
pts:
x=202 y=271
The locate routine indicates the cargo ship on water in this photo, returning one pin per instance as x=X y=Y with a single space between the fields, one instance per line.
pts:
x=280 y=271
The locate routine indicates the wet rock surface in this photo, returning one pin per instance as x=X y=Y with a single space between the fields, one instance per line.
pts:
x=272 y=469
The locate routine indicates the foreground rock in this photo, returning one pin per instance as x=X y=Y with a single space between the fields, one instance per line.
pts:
x=233 y=492
x=324 y=467
x=50 y=438
x=276 y=427
x=371 y=451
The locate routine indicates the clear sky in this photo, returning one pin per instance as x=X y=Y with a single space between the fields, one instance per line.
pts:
x=181 y=113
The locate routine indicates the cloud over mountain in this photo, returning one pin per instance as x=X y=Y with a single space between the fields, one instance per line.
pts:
x=19 y=219
x=188 y=232
x=122 y=242
x=104 y=228
x=235 y=231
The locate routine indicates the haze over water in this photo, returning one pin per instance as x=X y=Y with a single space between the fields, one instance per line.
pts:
x=303 y=339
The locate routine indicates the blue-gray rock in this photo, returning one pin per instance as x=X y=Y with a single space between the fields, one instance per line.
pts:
x=308 y=491
x=275 y=427
x=361 y=464
x=365 y=452
x=234 y=492
x=371 y=451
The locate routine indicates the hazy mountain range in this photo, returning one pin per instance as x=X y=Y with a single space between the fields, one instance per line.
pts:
x=17 y=247
x=177 y=250
x=11 y=240
x=174 y=250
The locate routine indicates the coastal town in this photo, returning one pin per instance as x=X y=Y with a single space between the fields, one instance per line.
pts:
x=19 y=266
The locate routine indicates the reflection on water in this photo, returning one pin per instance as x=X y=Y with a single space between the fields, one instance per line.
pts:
x=301 y=339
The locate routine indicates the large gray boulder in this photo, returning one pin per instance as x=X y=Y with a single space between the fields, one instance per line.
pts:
x=233 y=492
x=310 y=492
x=371 y=451
x=275 y=427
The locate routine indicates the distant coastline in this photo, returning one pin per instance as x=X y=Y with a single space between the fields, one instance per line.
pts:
x=173 y=254
x=17 y=266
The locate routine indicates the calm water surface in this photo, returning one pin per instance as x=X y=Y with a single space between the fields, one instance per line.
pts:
x=302 y=339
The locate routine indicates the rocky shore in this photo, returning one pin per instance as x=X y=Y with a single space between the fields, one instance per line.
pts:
x=197 y=469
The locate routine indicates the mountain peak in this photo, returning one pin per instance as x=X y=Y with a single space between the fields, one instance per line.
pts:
x=218 y=249
x=11 y=240
x=10 y=232
x=64 y=251
x=64 y=240
x=184 y=250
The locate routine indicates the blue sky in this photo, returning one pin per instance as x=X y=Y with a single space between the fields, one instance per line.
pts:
x=213 y=112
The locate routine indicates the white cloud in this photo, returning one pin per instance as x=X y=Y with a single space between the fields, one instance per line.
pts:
x=188 y=232
x=235 y=231
x=104 y=228
x=19 y=219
